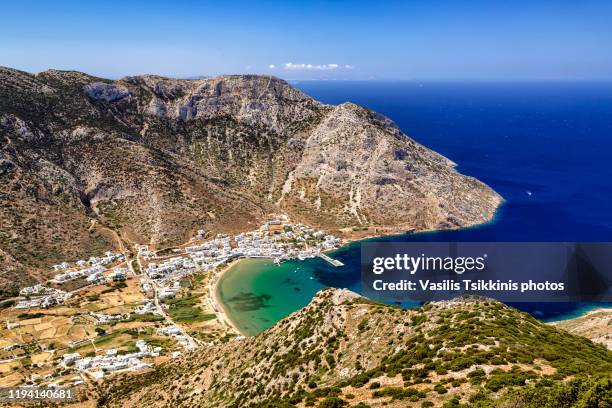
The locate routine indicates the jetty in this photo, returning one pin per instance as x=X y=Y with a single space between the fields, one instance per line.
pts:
x=332 y=261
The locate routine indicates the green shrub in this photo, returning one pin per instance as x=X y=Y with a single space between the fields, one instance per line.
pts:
x=332 y=402
x=500 y=379
x=398 y=393
x=582 y=392
x=362 y=325
x=440 y=389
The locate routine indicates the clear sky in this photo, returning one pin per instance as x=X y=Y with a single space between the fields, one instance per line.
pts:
x=482 y=40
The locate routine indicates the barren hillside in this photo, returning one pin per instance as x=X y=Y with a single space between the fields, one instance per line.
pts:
x=156 y=158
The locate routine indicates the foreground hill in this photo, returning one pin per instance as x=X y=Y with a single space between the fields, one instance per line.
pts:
x=343 y=349
x=156 y=158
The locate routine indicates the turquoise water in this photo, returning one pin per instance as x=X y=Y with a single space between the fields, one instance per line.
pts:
x=545 y=147
x=256 y=293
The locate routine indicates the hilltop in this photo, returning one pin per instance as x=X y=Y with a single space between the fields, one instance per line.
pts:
x=343 y=349
x=155 y=159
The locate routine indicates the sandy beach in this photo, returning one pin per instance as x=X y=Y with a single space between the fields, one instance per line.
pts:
x=349 y=236
x=213 y=294
x=223 y=314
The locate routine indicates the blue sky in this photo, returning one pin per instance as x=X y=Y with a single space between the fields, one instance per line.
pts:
x=480 y=40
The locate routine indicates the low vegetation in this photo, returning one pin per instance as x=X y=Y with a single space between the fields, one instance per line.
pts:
x=185 y=310
x=343 y=350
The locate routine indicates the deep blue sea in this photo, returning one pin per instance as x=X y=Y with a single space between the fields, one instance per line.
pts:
x=551 y=139
x=546 y=147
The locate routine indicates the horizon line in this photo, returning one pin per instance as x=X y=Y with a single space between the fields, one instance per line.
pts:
x=312 y=79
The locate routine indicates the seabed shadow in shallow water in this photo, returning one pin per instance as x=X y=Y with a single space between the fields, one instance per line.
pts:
x=249 y=302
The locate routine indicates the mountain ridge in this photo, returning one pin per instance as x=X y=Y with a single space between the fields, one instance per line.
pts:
x=156 y=159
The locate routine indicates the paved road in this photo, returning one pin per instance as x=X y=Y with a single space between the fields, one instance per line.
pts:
x=192 y=342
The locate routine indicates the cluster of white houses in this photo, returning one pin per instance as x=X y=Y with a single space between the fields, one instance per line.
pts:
x=100 y=319
x=45 y=297
x=112 y=361
x=41 y=296
x=169 y=290
x=91 y=269
x=146 y=308
x=36 y=290
x=171 y=265
x=292 y=241
x=144 y=252
x=177 y=334
x=117 y=274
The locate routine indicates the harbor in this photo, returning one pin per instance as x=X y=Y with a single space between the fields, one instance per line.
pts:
x=332 y=261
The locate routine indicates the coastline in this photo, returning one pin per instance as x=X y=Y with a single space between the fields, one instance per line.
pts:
x=217 y=305
x=581 y=313
x=226 y=318
x=223 y=314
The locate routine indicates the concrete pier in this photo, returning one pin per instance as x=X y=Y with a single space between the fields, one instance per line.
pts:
x=332 y=261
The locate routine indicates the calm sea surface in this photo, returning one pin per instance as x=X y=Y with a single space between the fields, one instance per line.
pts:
x=545 y=147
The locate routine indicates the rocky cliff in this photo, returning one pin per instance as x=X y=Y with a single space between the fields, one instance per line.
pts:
x=155 y=158
x=344 y=349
